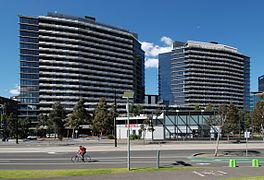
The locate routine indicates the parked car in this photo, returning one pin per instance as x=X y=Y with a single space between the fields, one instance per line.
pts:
x=83 y=135
x=32 y=138
x=52 y=135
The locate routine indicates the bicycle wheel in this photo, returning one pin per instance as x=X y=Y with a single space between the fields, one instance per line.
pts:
x=88 y=157
x=75 y=158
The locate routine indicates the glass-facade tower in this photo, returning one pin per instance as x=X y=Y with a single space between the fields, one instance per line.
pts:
x=164 y=81
x=261 y=84
x=64 y=58
x=29 y=67
x=203 y=73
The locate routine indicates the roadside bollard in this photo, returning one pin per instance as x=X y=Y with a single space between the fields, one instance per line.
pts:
x=158 y=159
x=255 y=163
x=232 y=163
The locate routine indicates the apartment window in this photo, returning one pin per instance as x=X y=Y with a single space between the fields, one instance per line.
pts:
x=28 y=20
x=29 y=39
x=28 y=27
x=25 y=33
x=29 y=58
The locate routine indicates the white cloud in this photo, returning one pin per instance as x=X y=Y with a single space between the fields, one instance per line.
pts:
x=151 y=63
x=152 y=51
x=168 y=41
x=15 y=91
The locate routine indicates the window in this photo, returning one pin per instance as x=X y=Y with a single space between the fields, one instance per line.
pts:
x=29 y=46
x=29 y=82
x=29 y=76
x=25 y=51
x=29 y=58
x=30 y=64
x=28 y=20
x=28 y=39
x=24 y=33
x=28 y=27
x=29 y=70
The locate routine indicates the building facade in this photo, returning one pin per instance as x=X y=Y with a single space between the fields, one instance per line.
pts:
x=64 y=58
x=200 y=73
x=151 y=99
x=254 y=99
x=8 y=108
x=261 y=83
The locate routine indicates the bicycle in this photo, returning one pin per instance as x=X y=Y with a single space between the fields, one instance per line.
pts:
x=78 y=158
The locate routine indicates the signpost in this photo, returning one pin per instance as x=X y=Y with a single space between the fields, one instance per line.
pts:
x=128 y=95
x=247 y=135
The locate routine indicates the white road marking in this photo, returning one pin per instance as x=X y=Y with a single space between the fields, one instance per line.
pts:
x=51 y=152
x=200 y=174
x=203 y=164
x=222 y=172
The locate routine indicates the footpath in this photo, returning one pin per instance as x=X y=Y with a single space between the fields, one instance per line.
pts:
x=69 y=145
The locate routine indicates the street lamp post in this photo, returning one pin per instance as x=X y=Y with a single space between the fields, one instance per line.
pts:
x=115 y=121
x=128 y=95
x=202 y=131
x=177 y=121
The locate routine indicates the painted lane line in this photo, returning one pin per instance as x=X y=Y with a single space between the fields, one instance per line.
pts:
x=222 y=172
x=51 y=152
x=203 y=164
x=200 y=174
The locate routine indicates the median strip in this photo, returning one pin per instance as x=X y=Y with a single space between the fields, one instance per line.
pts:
x=78 y=172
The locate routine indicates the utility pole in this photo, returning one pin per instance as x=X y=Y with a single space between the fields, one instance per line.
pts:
x=115 y=121
x=16 y=120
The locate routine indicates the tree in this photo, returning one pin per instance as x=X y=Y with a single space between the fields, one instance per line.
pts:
x=247 y=120
x=222 y=112
x=136 y=110
x=258 y=116
x=78 y=117
x=101 y=119
x=231 y=124
x=57 y=117
x=196 y=107
x=11 y=125
x=44 y=123
x=112 y=114
x=143 y=127
x=9 y=122
x=24 y=125
x=209 y=108
x=157 y=113
x=261 y=95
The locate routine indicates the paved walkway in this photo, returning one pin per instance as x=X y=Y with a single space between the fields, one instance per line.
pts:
x=108 y=145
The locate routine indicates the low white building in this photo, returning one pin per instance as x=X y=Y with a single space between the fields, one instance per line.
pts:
x=178 y=125
x=135 y=127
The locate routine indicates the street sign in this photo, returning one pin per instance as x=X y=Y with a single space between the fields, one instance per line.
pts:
x=247 y=134
x=131 y=125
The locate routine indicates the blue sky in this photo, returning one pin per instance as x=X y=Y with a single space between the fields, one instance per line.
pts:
x=157 y=22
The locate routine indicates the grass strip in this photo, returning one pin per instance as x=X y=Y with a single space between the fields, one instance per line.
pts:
x=78 y=172
x=247 y=178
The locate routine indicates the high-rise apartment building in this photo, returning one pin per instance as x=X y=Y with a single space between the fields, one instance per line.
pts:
x=64 y=58
x=261 y=83
x=199 y=73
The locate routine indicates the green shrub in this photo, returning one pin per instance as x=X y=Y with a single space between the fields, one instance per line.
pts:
x=110 y=136
x=134 y=137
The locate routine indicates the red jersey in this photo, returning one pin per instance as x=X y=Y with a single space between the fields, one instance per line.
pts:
x=82 y=149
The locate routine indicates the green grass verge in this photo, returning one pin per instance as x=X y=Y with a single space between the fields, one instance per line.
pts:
x=247 y=178
x=77 y=172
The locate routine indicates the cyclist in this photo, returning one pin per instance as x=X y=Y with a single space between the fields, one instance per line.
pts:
x=82 y=151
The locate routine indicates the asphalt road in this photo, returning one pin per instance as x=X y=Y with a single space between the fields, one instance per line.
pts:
x=108 y=159
x=139 y=159
x=99 y=159
x=104 y=159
